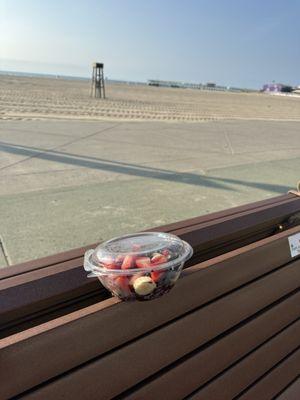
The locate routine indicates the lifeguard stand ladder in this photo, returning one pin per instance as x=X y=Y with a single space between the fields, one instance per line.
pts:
x=98 y=89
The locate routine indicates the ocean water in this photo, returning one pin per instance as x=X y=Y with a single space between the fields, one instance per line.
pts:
x=79 y=78
x=36 y=75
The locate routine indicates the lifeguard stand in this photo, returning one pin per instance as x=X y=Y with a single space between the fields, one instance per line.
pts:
x=98 y=89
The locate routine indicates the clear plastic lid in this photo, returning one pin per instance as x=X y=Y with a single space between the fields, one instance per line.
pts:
x=108 y=257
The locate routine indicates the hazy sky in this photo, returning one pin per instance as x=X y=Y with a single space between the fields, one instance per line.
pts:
x=231 y=42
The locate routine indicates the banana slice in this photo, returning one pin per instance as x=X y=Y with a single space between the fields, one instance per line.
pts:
x=144 y=285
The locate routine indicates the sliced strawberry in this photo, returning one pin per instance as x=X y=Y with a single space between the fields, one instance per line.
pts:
x=143 y=262
x=157 y=275
x=158 y=259
x=108 y=262
x=122 y=283
x=127 y=262
x=112 y=266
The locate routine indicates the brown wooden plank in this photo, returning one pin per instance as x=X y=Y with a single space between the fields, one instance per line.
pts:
x=277 y=379
x=26 y=281
x=199 y=285
x=292 y=392
x=77 y=301
x=251 y=368
x=144 y=357
x=44 y=262
x=78 y=252
x=33 y=293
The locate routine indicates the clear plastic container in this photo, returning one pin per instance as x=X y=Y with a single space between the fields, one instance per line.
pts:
x=140 y=266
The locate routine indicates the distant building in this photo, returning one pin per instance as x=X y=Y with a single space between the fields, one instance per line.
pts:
x=172 y=84
x=211 y=86
x=297 y=90
x=276 y=88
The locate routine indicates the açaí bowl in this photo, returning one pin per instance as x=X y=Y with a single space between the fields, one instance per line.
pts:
x=141 y=266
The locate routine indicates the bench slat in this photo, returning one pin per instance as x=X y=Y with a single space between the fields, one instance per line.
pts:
x=278 y=378
x=292 y=391
x=253 y=367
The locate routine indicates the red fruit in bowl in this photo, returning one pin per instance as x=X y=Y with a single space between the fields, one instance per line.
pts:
x=157 y=275
x=112 y=266
x=122 y=284
x=158 y=259
x=108 y=262
x=127 y=262
x=165 y=252
x=143 y=262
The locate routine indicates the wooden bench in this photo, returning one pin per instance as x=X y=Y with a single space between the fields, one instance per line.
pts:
x=229 y=329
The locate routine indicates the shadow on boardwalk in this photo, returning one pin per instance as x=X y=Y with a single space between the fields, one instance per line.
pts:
x=131 y=169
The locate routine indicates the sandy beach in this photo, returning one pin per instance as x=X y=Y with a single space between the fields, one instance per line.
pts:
x=76 y=170
x=27 y=98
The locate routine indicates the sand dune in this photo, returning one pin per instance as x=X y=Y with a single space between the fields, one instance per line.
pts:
x=24 y=98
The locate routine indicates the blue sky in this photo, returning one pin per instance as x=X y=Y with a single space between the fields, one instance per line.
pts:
x=231 y=42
